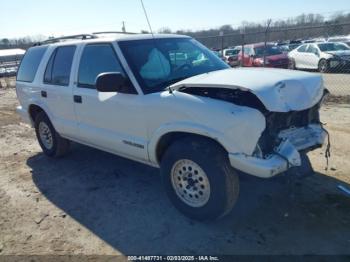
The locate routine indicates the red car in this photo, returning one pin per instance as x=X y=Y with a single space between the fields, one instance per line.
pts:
x=254 y=56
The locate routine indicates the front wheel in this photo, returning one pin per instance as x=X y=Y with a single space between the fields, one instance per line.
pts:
x=199 y=179
x=323 y=66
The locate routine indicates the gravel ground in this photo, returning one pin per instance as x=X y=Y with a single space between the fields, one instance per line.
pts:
x=337 y=84
x=92 y=202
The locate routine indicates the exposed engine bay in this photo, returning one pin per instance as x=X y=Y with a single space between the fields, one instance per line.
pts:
x=275 y=121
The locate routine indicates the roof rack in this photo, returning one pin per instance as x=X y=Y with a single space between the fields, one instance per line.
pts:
x=59 y=39
x=114 y=32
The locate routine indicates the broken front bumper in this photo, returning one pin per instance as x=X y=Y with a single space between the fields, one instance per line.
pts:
x=285 y=156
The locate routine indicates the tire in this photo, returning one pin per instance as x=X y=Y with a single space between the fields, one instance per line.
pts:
x=207 y=170
x=52 y=144
x=323 y=66
x=291 y=64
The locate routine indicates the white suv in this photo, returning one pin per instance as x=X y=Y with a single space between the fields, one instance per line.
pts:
x=197 y=119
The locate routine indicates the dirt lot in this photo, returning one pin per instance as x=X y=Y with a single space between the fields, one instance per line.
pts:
x=93 y=202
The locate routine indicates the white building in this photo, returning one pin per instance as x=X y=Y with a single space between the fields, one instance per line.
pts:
x=11 y=55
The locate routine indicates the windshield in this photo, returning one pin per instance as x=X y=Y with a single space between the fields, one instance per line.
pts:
x=270 y=50
x=231 y=52
x=158 y=63
x=332 y=47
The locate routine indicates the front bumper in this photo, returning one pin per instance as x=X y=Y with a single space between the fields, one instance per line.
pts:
x=339 y=64
x=285 y=156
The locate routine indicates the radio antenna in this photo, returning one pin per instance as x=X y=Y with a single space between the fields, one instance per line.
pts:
x=154 y=40
x=149 y=24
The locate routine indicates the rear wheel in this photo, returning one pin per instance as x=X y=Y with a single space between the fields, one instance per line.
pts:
x=199 y=179
x=52 y=144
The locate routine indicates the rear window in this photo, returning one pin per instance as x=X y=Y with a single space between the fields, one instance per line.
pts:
x=302 y=48
x=269 y=51
x=232 y=52
x=30 y=64
x=59 y=66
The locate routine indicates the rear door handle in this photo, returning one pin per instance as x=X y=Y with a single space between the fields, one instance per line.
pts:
x=43 y=94
x=77 y=99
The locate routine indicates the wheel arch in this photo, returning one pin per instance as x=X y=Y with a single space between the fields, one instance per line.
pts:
x=164 y=142
x=34 y=110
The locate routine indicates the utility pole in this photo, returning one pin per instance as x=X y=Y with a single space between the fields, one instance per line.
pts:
x=221 y=34
x=123 y=27
x=242 y=31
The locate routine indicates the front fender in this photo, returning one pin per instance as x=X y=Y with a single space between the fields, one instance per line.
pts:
x=184 y=127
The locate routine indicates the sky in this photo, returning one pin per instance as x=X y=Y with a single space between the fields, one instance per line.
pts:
x=20 y=18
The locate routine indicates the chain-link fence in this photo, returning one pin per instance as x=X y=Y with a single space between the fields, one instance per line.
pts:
x=316 y=48
x=310 y=48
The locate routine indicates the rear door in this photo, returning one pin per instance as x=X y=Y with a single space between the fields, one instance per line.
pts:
x=57 y=90
x=313 y=57
x=300 y=58
x=111 y=121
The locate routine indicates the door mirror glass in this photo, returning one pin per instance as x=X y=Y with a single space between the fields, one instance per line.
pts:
x=112 y=82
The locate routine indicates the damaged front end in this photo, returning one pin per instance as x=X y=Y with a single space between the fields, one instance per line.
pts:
x=287 y=138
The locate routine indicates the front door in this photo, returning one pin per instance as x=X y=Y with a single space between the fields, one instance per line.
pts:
x=111 y=121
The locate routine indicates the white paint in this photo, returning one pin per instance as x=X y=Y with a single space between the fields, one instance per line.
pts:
x=280 y=90
x=311 y=60
x=114 y=122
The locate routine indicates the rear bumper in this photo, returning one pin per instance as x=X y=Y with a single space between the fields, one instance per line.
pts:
x=287 y=153
x=24 y=115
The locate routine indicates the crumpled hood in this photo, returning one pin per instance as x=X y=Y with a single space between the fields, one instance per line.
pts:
x=280 y=90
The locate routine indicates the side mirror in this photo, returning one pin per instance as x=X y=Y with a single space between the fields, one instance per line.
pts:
x=112 y=82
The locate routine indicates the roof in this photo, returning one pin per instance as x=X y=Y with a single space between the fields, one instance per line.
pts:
x=117 y=37
x=11 y=52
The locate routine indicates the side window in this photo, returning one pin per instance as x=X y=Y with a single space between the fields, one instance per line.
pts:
x=59 y=66
x=247 y=51
x=312 y=49
x=30 y=64
x=302 y=49
x=97 y=59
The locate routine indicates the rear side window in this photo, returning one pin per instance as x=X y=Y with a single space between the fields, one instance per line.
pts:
x=30 y=64
x=312 y=49
x=59 y=66
x=97 y=59
x=302 y=49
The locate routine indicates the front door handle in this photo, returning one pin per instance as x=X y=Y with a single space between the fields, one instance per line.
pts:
x=77 y=99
